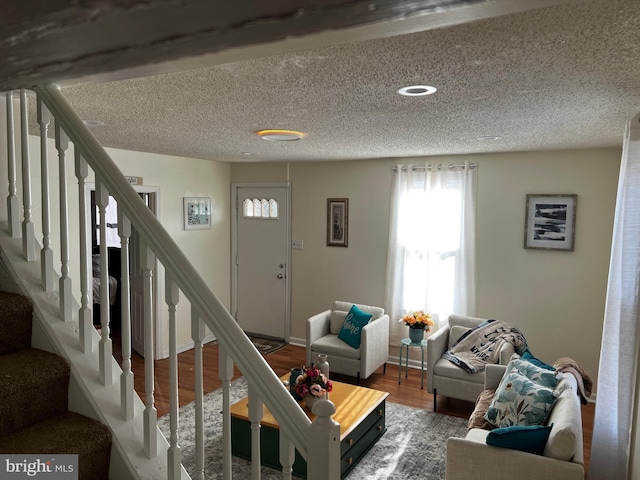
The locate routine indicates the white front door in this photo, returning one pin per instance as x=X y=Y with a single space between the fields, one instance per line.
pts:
x=262 y=256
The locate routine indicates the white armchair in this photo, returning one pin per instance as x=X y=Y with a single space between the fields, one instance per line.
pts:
x=322 y=337
x=445 y=378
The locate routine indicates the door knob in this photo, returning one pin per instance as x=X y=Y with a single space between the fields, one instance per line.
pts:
x=280 y=275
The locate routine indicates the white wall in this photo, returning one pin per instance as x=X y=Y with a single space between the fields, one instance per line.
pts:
x=555 y=298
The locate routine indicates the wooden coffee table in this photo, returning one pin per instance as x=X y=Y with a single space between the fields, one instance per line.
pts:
x=359 y=411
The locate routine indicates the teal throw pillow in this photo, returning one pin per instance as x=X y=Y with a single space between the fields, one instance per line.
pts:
x=528 y=356
x=352 y=327
x=527 y=438
x=538 y=375
x=519 y=401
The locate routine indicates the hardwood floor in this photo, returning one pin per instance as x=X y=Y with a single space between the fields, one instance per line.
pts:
x=408 y=393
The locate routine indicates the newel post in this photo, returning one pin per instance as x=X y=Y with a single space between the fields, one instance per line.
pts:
x=323 y=444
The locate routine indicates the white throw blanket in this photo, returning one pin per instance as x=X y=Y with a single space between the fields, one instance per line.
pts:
x=482 y=345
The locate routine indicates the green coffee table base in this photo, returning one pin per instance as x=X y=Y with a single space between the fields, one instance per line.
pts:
x=352 y=448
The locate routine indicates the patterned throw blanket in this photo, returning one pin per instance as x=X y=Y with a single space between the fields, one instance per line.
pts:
x=481 y=345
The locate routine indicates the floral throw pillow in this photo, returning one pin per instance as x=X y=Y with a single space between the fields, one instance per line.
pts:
x=536 y=374
x=519 y=401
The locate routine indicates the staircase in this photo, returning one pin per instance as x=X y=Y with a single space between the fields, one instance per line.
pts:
x=63 y=320
x=34 y=418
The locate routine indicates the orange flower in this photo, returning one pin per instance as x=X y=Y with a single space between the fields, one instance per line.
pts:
x=418 y=319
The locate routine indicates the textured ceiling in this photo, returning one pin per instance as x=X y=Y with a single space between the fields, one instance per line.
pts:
x=552 y=78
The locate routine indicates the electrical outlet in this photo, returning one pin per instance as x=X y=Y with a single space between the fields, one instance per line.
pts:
x=297 y=244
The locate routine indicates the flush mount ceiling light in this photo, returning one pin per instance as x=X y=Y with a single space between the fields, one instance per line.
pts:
x=417 y=90
x=280 y=135
x=93 y=123
x=489 y=137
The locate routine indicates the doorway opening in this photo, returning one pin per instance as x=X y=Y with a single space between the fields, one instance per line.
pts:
x=150 y=197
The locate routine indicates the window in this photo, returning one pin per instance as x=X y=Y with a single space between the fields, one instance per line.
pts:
x=431 y=264
x=260 y=208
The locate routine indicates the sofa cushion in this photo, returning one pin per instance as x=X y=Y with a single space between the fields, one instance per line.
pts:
x=354 y=322
x=566 y=418
x=519 y=401
x=526 y=438
x=447 y=369
x=536 y=374
x=455 y=332
x=334 y=347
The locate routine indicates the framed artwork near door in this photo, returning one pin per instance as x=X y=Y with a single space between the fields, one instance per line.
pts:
x=197 y=213
x=550 y=221
x=337 y=222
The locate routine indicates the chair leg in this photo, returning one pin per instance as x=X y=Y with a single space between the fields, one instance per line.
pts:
x=384 y=368
x=435 y=396
x=358 y=379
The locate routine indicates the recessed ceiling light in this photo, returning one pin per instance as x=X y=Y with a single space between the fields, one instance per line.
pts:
x=93 y=123
x=280 y=135
x=417 y=90
x=489 y=137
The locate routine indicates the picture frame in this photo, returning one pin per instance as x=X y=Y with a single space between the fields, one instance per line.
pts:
x=197 y=213
x=550 y=221
x=337 y=222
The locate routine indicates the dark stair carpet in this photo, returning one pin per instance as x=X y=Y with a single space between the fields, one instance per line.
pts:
x=34 y=386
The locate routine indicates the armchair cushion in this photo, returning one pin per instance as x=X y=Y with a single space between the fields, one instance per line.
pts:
x=352 y=327
x=334 y=347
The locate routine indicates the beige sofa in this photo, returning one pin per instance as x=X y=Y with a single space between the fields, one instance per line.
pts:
x=471 y=457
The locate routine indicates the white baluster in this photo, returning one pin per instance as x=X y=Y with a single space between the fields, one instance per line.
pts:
x=323 y=444
x=62 y=143
x=225 y=368
x=46 y=254
x=13 y=204
x=28 y=232
x=150 y=412
x=197 y=334
x=85 y=316
x=126 y=378
x=106 y=347
x=287 y=455
x=174 y=455
x=255 y=415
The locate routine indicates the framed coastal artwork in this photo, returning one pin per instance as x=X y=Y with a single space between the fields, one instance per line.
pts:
x=550 y=221
x=197 y=213
x=337 y=222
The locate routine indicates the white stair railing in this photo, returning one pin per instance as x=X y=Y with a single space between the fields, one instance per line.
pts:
x=317 y=442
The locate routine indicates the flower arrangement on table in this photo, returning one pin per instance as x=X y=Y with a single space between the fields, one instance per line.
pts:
x=313 y=382
x=419 y=320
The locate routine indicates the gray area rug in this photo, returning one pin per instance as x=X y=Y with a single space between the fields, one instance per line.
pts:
x=412 y=448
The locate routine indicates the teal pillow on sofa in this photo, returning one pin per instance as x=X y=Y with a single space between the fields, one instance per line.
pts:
x=528 y=356
x=352 y=327
x=527 y=438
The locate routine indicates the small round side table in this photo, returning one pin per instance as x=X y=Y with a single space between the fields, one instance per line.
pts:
x=406 y=342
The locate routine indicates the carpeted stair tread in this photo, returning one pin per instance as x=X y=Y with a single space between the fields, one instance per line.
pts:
x=16 y=313
x=34 y=385
x=69 y=433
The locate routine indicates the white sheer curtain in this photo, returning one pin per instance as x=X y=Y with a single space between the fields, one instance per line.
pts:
x=610 y=447
x=431 y=259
